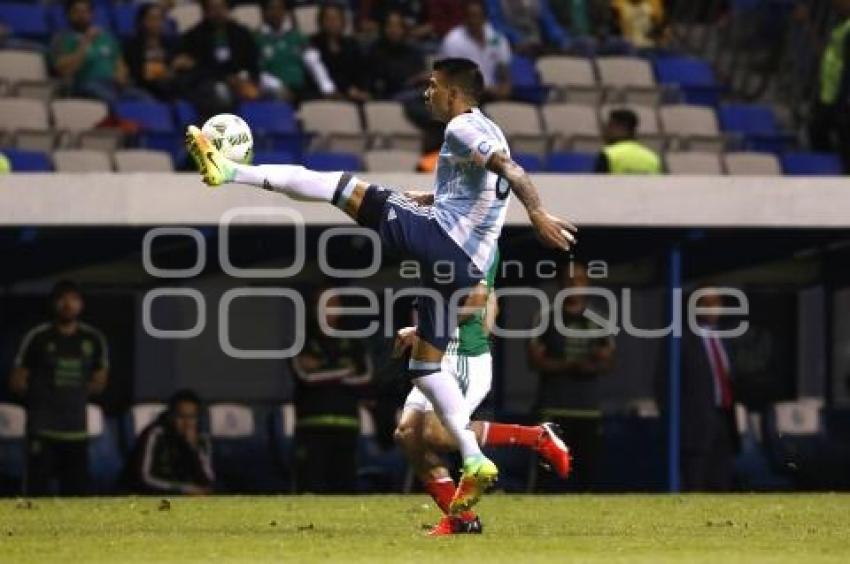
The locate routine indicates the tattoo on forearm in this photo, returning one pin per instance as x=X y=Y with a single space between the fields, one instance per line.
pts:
x=520 y=182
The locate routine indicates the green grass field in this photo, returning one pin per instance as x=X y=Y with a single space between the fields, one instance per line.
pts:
x=652 y=529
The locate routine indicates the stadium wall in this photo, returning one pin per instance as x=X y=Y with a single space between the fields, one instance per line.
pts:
x=168 y=199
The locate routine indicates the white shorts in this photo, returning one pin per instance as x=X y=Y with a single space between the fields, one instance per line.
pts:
x=475 y=373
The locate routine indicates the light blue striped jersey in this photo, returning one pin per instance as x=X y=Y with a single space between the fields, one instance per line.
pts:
x=470 y=202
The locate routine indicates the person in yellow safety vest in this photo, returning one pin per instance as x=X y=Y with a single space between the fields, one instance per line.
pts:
x=829 y=124
x=622 y=153
x=5 y=165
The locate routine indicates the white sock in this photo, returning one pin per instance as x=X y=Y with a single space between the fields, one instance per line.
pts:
x=442 y=391
x=295 y=181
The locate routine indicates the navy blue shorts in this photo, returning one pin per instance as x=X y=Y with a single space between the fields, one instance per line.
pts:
x=411 y=232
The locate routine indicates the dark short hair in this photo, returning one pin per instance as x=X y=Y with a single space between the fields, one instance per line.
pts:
x=181 y=396
x=625 y=118
x=205 y=4
x=264 y=4
x=63 y=287
x=71 y=3
x=480 y=3
x=464 y=74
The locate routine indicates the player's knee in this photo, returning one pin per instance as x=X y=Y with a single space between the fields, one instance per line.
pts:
x=404 y=437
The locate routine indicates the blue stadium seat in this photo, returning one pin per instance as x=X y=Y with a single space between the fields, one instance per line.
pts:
x=105 y=460
x=274 y=126
x=757 y=124
x=156 y=124
x=812 y=164
x=273 y=157
x=27 y=20
x=694 y=77
x=185 y=114
x=525 y=81
x=28 y=161
x=124 y=20
x=332 y=161
x=531 y=163
x=12 y=448
x=571 y=163
x=58 y=21
x=242 y=455
x=793 y=436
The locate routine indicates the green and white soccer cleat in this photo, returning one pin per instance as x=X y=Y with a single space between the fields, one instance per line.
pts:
x=214 y=168
x=479 y=475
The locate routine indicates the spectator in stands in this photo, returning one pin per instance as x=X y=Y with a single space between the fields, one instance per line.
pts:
x=373 y=13
x=641 y=22
x=529 y=25
x=59 y=366
x=89 y=59
x=442 y=16
x=281 y=48
x=590 y=23
x=151 y=55
x=224 y=61
x=623 y=154
x=709 y=436
x=396 y=67
x=478 y=41
x=570 y=368
x=171 y=455
x=331 y=376
x=334 y=59
x=829 y=124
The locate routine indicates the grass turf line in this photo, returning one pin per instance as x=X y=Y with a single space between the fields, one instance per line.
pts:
x=632 y=528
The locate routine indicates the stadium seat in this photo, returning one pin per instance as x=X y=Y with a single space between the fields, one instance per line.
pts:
x=25 y=19
x=378 y=470
x=330 y=162
x=812 y=164
x=273 y=157
x=756 y=123
x=573 y=127
x=305 y=18
x=185 y=16
x=105 y=460
x=571 y=163
x=649 y=130
x=531 y=163
x=336 y=126
x=77 y=114
x=694 y=77
x=692 y=127
x=752 y=164
x=793 y=434
x=81 y=160
x=274 y=126
x=143 y=160
x=628 y=79
x=525 y=83
x=28 y=122
x=391 y=160
x=156 y=125
x=248 y=15
x=571 y=79
x=22 y=66
x=28 y=161
x=236 y=440
x=138 y=418
x=12 y=448
x=389 y=127
x=693 y=162
x=520 y=123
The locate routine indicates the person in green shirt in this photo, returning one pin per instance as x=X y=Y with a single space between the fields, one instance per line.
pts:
x=89 y=59
x=281 y=48
x=623 y=154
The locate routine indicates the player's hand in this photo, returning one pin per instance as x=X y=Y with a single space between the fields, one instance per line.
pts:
x=404 y=339
x=552 y=231
x=421 y=198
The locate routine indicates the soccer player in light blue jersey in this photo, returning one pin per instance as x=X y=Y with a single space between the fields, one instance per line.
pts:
x=459 y=223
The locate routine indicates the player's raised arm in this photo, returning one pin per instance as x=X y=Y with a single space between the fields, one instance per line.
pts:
x=553 y=231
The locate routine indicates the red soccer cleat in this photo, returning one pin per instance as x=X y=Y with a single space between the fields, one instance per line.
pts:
x=451 y=525
x=553 y=450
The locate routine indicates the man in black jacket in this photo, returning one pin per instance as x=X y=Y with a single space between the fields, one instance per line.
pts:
x=225 y=59
x=171 y=455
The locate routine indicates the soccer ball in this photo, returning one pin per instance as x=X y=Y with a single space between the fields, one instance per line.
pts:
x=230 y=135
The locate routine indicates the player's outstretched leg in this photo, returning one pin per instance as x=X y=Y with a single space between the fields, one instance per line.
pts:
x=295 y=181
